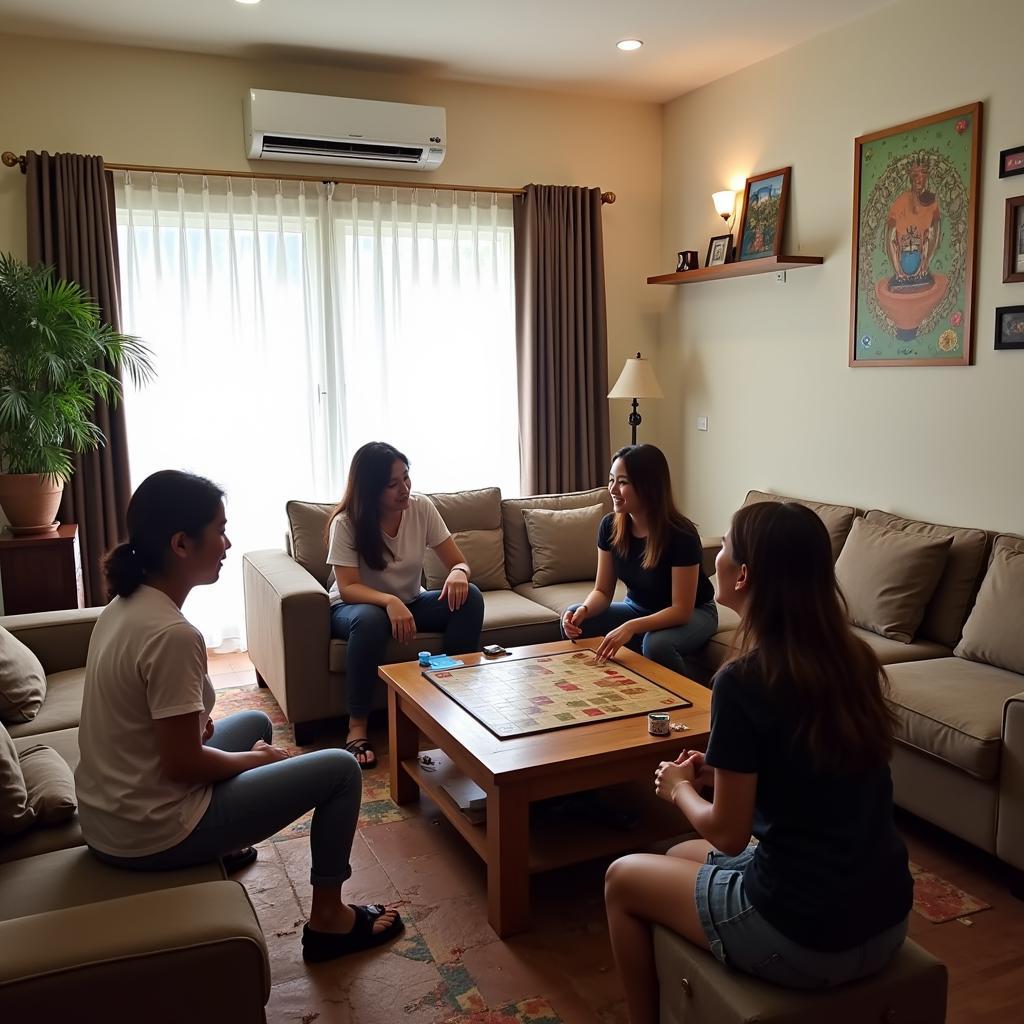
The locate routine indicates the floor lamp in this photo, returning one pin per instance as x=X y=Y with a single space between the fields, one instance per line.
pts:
x=636 y=381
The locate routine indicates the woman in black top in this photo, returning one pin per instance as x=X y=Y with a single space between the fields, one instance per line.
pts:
x=655 y=550
x=798 y=758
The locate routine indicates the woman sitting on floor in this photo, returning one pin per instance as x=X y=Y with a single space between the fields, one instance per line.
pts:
x=646 y=542
x=798 y=757
x=160 y=786
x=377 y=537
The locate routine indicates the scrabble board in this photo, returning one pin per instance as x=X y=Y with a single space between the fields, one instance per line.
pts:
x=553 y=691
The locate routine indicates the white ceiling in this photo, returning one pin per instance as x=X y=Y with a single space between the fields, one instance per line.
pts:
x=557 y=44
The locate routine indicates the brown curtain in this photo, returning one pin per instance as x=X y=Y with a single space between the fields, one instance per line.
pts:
x=562 y=339
x=72 y=226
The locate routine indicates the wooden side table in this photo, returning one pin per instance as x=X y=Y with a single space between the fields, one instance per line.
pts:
x=41 y=573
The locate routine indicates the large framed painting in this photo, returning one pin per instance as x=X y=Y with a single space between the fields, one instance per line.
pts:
x=915 y=201
x=764 y=215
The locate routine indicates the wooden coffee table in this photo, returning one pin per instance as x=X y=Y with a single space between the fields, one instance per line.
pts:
x=517 y=771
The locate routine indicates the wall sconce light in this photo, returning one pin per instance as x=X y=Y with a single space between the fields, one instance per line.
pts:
x=725 y=204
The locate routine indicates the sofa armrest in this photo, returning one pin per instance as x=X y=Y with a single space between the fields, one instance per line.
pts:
x=710 y=548
x=1010 y=822
x=125 y=957
x=60 y=640
x=288 y=623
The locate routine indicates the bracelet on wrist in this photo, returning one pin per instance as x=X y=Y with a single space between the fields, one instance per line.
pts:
x=459 y=568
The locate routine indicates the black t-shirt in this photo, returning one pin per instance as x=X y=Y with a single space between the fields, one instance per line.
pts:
x=652 y=588
x=830 y=870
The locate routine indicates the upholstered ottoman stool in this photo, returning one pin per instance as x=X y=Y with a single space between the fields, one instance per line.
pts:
x=697 y=989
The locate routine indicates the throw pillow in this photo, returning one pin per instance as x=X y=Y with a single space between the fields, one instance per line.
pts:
x=484 y=550
x=49 y=783
x=992 y=633
x=307 y=521
x=16 y=814
x=563 y=543
x=888 y=577
x=22 y=680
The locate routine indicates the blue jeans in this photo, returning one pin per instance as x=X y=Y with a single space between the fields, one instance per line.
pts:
x=250 y=807
x=667 y=647
x=740 y=937
x=367 y=629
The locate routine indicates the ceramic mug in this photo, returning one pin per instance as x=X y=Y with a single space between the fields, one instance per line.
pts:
x=686 y=260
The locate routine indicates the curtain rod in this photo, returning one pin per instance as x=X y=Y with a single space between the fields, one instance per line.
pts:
x=13 y=160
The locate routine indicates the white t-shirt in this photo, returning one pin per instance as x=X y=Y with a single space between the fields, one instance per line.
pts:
x=421 y=527
x=146 y=661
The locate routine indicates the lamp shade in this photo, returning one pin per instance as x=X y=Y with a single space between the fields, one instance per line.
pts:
x=637 y=380
x=725 y=203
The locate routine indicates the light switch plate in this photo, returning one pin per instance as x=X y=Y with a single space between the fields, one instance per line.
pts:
x=702 y=423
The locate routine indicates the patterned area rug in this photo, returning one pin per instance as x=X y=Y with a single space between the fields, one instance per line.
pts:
x=937 y=900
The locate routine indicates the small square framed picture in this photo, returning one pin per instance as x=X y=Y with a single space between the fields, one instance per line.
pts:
x=719 y=251
x=1013 y=241
x=1011 y=162
x=1010 y=327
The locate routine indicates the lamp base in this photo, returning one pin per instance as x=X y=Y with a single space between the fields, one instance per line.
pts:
x=634 y=420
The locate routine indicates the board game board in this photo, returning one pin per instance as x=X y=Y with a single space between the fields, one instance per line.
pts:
x=553 y=691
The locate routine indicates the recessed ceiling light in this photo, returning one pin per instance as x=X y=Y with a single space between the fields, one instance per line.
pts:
x=629 y=44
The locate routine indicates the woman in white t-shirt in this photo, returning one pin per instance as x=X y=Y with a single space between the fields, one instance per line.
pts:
x=160 y=785
x=377 y=537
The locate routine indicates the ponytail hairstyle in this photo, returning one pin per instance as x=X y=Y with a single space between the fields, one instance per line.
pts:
x=165 y=503
x=368 y=475
x=648 y=472
x=796 y=637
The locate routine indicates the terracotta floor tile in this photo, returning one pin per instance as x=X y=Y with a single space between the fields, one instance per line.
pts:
x=218 y=664
x=507 y=972
x=439 y=876
x=417 y=836
x=295 y=856
x=453 y=926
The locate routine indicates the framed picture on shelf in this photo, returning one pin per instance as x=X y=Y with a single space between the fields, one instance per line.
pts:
x=719 y=251
x=1013 y=241
x=915 y=200
x=1011 y=162
x=1010 y=327
x=764 y=215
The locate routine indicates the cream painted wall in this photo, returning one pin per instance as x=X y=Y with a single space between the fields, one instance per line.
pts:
x=767 y=362
x=154 y=107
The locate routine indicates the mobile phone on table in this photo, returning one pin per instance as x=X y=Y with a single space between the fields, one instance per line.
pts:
x=494 y=650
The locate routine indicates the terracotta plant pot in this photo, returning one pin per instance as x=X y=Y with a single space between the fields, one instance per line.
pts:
x=30 y=501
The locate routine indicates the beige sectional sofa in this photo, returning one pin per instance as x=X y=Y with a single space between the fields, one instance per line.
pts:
x=957 y=681
x=84 y=941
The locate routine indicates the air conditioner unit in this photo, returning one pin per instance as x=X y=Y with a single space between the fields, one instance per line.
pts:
x=332 y=129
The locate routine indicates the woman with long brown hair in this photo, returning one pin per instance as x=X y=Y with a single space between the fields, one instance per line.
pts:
x=378 y=535
x=799 y=759
x=646 y=542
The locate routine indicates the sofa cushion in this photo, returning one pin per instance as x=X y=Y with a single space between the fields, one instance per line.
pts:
x=992 y=633
x=945 y=613
x=518 y=560
x=22 y=680
x=62 y=708
x=485 y=553
x=49 y=783
x=888 y=577
x=838 y=519
x=16 y=813
x=479 y=509
x=953 y=710
x=563 y=543
x=307 y=521
x=559 y=596
x=895 y=652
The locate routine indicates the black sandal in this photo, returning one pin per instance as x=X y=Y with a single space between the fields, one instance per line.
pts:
x=320 y=946
x=361 y=747
x=239 y=859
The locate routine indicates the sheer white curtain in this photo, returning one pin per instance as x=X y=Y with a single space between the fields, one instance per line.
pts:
x=424 y=331
x=222 y=279
x=290 y=324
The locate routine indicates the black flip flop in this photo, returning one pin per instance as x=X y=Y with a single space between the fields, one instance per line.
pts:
x=320 y=946
x=362 y=746
x=239 y=859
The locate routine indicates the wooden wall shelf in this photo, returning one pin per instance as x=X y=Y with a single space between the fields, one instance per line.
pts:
x=768 y=265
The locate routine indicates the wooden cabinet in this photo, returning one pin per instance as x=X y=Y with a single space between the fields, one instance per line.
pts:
x=41 y=573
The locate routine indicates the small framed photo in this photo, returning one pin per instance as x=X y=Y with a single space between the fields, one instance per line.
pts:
x=719 y=251
x=1010 y=327
x=764 y=215
x=1011 y=162
x=1013 y=241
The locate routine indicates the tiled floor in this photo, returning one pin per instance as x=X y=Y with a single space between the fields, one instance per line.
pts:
x=227 y=670
x=450 y=966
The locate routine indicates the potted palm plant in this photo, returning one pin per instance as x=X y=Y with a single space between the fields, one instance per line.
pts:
x=53 y=347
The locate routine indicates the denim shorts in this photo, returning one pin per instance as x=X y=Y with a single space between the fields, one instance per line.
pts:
x=741 y=938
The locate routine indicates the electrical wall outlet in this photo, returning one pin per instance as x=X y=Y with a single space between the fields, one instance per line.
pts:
x=702 y=423
x=781 y=277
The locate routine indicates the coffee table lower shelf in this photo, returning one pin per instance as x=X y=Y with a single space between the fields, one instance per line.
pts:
x=554 y=844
